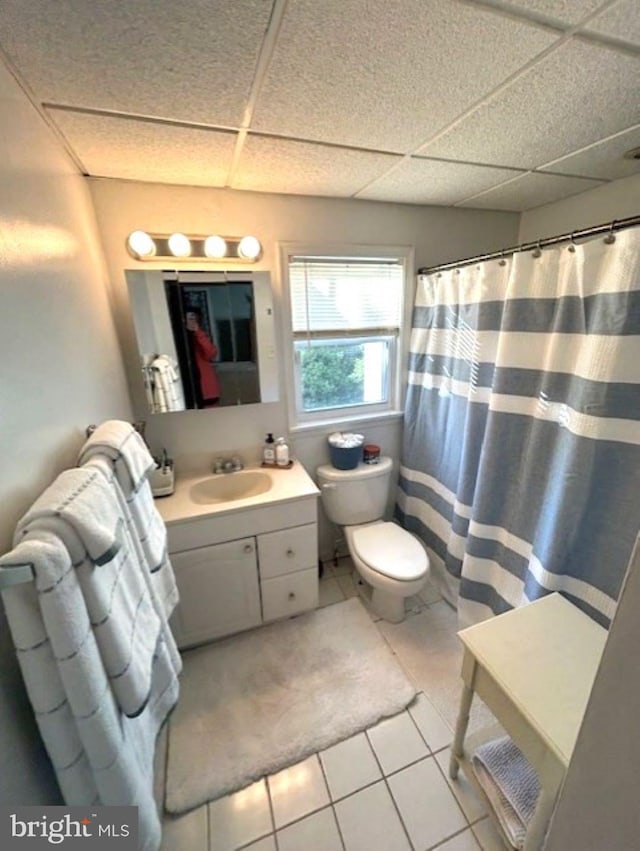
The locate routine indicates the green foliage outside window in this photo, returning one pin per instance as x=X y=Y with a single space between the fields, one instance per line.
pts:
x=332 y=376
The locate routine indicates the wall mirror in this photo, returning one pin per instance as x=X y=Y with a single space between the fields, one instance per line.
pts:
x=205 y=339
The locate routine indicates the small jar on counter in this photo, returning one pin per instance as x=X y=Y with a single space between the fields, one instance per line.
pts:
x=370 y=453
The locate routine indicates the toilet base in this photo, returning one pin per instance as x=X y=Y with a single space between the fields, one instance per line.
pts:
x=389 y=607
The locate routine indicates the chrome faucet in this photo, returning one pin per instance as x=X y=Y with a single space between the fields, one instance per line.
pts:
x=228 y=465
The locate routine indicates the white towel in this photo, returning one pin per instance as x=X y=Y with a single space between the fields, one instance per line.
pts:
x=82 y=511
x=120 y=442
x=510 y=783
x=100 y=756
x=113 y=443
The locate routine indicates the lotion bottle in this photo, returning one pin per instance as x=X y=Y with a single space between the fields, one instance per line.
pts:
x=282 y=453
x=269 y=451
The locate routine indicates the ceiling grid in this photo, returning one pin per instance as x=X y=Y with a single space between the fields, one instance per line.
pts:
x=489 y=104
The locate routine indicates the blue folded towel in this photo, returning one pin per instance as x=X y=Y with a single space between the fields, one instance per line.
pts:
x=510 y=783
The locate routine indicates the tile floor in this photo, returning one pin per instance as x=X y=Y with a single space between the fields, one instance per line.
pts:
x=385 y=789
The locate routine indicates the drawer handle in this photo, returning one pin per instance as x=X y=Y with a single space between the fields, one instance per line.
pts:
x=292 y=596
x=248 y=548
x=291 y=552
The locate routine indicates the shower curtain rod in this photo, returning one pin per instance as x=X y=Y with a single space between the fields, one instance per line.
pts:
x=610 y=227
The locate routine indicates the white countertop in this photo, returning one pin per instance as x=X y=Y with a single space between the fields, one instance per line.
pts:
x=287 y=485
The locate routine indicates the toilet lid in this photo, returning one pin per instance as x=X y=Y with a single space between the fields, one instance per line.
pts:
x=391 y=550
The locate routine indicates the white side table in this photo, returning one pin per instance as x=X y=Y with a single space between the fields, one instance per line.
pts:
x=534 y=668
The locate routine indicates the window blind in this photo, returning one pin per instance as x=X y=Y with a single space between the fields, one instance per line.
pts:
x=333 y=295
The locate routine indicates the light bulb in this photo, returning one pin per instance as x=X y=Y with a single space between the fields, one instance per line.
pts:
x=215 y=246
x=249 y=248
x=179 y=245
x=140 y=244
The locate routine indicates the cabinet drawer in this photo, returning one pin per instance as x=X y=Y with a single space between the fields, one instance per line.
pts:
x=288 y=550
x=287 y=595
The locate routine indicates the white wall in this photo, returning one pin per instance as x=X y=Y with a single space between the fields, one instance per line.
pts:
x=598 y=805
x=438 y=234
x=60 y=369
x=615 y=200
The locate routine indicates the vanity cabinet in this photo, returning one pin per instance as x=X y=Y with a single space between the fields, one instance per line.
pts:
x=219 y=591
x=230 y=581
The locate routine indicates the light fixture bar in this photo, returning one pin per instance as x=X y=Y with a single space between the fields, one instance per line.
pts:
x=209 y=248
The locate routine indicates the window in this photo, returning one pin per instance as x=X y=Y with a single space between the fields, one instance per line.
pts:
x=346 y=320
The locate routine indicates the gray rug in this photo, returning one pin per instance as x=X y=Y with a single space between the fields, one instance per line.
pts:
x=260 y=701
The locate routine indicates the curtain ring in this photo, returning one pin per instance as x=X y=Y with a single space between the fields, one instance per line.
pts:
x=610 y=237
x=572 y=246
x=537 y=251
x=502 y=261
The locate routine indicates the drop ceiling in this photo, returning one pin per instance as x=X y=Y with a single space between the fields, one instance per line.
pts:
x=492 y=105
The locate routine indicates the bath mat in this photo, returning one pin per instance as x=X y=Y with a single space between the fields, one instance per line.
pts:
x=260 y=701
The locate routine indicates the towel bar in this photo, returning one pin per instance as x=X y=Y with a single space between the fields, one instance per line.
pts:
x=15 y=574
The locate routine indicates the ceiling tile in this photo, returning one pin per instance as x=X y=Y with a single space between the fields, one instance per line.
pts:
x=144 y=150
x=300 y=168
x=191 y=61
x=567 y=11
x=386 y=75
x=604 y=160
x=621 y=21
x=529 y=191
x=576 y=96
x=421 y=181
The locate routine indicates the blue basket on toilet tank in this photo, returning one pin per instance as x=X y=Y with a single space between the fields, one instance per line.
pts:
x=345 y=449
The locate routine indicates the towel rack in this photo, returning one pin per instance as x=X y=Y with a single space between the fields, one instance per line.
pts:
x=15 y=574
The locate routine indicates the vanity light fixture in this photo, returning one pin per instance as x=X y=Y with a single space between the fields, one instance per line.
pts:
x=249 y=248
x=212 y=248
x=141 y=245
x=215 y=247
x=179 y=245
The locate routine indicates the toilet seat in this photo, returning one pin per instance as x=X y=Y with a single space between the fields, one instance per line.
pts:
x=391 y=551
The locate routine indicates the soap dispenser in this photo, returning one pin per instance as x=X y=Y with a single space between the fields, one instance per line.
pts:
x=269 y=452
x=282 y=453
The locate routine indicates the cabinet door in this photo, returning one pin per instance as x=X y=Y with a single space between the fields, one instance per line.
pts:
x=288 y=550
x=219 y=591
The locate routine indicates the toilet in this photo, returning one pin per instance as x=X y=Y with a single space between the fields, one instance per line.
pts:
x=391 y=562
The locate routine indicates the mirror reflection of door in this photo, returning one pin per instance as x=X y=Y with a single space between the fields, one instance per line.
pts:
x=213 y=323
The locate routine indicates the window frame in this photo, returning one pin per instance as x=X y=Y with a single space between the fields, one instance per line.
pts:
x=397 y=368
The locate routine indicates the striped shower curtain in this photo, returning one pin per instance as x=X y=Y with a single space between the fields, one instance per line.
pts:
x=521 y=454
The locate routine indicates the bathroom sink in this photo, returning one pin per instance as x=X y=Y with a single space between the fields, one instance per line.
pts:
x=229 y=486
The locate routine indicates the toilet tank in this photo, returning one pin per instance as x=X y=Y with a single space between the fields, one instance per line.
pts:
x=351 y=497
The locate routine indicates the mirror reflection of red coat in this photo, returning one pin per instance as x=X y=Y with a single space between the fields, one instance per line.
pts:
x=205 y=351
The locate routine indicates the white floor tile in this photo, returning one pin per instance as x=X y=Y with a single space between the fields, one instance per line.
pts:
x=368 y=820
x=429 y=650
x=431 y=724
x=266 y=844
x=344 y=566
x=429 y=593
x=240 y=818
x=464 y=841
x=297 y=791
x=488 y=836
x=396 y=742
x=347 y=583
x=413 y=605
x=318 y=832
x=329 y=592
x=349 y=766
x=427 y=806
x=187 y=832
x=472 y=806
